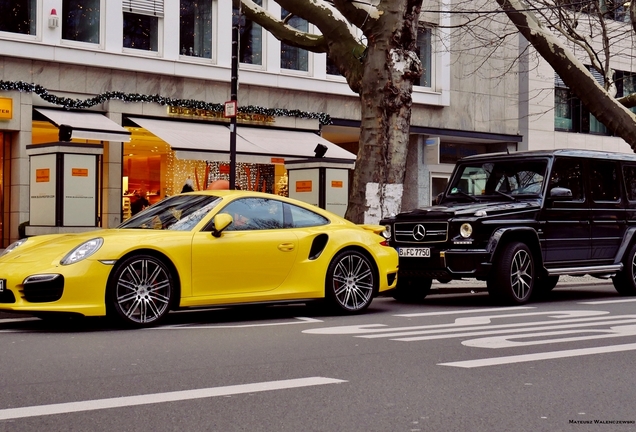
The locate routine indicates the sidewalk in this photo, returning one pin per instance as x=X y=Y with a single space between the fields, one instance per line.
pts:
x=476 y=285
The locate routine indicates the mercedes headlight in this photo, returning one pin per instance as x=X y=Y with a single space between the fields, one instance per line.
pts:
x=466 y=230
x=82 y=251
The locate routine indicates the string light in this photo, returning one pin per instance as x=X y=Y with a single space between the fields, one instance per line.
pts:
x=69 y=103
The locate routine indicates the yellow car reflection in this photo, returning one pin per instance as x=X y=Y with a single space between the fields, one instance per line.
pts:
x=200 y=249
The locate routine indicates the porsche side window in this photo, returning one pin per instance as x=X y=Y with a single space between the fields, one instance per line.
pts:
x=301 y=218
x=255 y=214
x=179 y=213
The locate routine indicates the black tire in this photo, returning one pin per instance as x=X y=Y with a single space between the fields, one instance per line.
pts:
x=351 y=282
x=545 y=284
x=625 y=280
x=411 y=289
x=141 y=291
x=512 y=278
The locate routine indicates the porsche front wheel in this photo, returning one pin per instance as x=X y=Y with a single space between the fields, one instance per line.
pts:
x=350 y=282
x=141 y=291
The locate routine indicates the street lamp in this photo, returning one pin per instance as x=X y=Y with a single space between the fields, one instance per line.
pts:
x=236 y=23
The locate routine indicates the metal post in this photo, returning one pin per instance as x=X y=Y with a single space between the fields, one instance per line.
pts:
x=236 y=20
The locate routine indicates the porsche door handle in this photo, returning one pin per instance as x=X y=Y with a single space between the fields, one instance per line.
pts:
x=286 y=247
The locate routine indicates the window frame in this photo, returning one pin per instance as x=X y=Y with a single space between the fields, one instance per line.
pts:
x=38 y=26
x=214 y=35
x=142 y=8
x=84 y=44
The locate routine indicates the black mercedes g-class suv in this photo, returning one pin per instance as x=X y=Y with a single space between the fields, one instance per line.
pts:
x=518 y=221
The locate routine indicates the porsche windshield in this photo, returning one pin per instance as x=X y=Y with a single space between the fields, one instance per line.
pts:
x=507 y=178
x=178 y=213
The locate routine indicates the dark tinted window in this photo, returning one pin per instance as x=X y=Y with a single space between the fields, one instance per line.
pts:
x=567 y=173
x=629 y=172
x=604 y=181
x=254 y=214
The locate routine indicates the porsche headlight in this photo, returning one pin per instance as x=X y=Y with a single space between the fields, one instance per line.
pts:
x=82 y=251
x=387 y=232
x=12 y=246
x=466 y=230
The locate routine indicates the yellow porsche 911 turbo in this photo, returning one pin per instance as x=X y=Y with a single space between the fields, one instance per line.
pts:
x=200 y=249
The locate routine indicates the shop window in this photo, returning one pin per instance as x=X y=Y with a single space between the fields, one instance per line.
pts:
x=81 y=20
x=424 y=51
x=141 y=24
x=294 y=58
x=251 y=41
x=195 y=28
x=18 y=16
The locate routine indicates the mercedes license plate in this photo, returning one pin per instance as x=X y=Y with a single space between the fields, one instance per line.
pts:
x=414 y=252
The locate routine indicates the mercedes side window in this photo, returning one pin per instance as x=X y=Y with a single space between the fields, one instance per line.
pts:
x=254 y=214
x=604 y=181
x=568 y=174
x=629 y=173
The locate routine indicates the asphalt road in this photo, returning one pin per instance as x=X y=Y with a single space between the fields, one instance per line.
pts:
x=452 y=363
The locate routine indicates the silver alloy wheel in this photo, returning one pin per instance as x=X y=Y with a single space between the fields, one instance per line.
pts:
x=143 y=290
x=352 y=282
x=521 y=274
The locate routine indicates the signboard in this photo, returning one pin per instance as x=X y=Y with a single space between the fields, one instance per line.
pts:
x=42 y=190
x=80 y=190
x=336 y=190
x=6 y=108
x=431 y=151
x=303 y=185
x=230 y=109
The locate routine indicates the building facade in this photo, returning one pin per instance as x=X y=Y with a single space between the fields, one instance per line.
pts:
x=157 y=75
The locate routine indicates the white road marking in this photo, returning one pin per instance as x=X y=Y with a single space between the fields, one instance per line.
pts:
x=516 y=330
x=540 y=356
x=127 y=401
x=600 y=302
x=589 y=334
x=301 y=320
x=382 y=330
x=513 y=308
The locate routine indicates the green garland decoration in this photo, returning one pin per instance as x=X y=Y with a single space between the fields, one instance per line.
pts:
x=69 y=103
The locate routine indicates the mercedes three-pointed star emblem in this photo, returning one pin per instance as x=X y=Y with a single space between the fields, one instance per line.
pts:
x=419 y=232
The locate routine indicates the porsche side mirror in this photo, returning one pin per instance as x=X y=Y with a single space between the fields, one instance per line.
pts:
x=221 y=221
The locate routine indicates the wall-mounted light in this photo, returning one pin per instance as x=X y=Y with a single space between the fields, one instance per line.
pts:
x=54 y=20
x=320 y=150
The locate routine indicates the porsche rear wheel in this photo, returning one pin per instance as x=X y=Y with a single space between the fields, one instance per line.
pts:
x=351 y=282
x=141 y=291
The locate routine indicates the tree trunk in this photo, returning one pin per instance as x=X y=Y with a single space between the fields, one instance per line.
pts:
x=390 y=66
